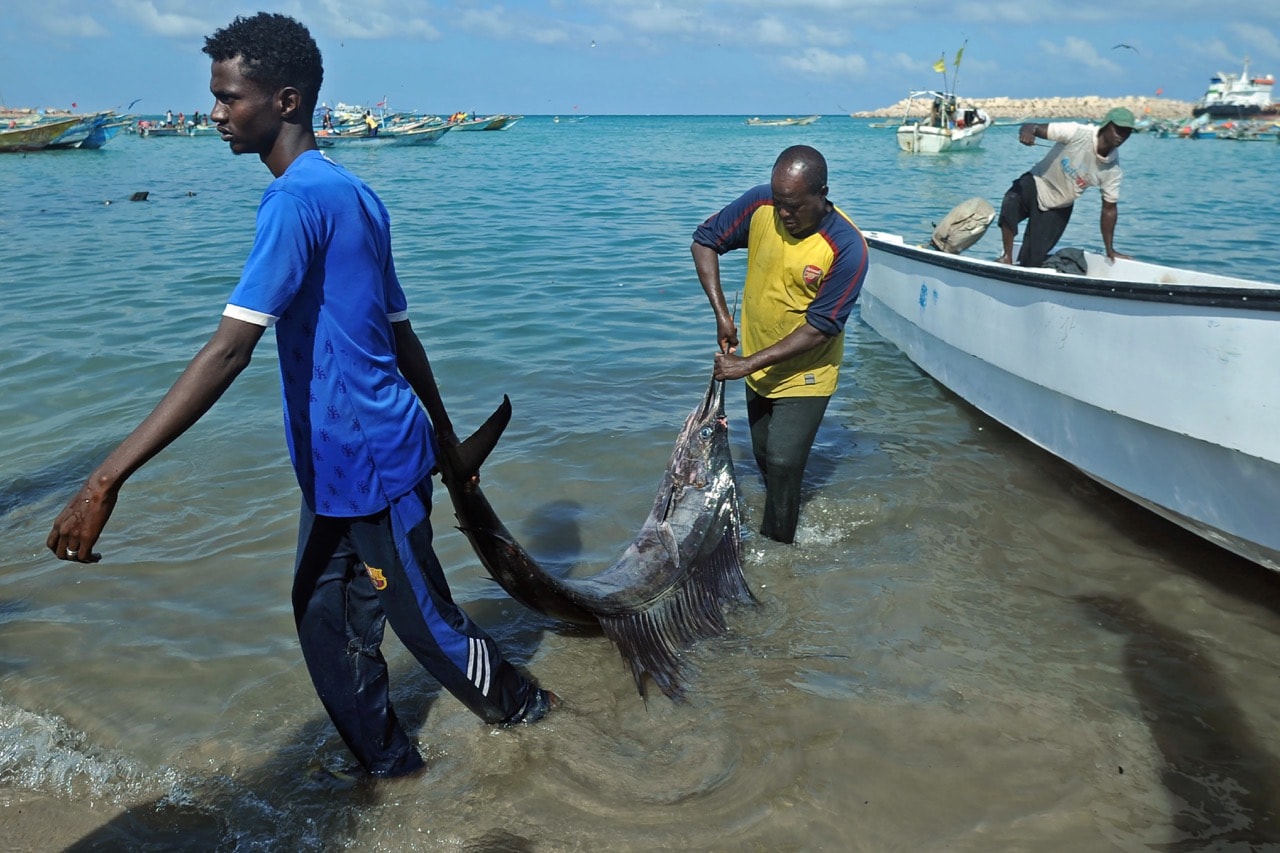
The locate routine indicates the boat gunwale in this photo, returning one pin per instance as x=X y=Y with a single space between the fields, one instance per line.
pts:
x=1265 y=298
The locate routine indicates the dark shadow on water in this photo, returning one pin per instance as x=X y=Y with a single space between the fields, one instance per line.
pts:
x=11 y=610
x=1176 y=547
x=555 y=543
x=60 y=477
x=499 y=841
x=555 y=535
x=1224 y=788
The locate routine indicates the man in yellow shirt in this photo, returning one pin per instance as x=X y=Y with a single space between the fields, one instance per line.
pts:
x=806 y=261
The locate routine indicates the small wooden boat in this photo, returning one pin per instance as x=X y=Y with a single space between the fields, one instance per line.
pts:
x=425 y=135
x=93 y=132
x=782 y=122
x=1157 y=382
x=37 y=136
x=165 y=131
x=493 y=122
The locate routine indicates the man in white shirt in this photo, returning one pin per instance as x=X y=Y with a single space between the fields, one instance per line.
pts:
x=1083 y=156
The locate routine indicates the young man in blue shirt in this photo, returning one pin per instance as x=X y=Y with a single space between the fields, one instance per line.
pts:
x=353 y=372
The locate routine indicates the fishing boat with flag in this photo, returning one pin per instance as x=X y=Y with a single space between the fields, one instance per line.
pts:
x=935 y=122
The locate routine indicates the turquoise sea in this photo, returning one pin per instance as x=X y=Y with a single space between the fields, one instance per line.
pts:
x=972 y=646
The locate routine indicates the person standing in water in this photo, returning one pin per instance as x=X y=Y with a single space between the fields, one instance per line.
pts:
x=806 y=261
x=353 y=370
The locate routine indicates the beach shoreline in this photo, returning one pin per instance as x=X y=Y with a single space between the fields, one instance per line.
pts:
x=1088 y=106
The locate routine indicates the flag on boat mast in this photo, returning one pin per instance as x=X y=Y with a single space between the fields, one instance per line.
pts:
x=941 y=65
x=956 y=76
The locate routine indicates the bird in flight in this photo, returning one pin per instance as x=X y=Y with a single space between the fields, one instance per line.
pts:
x=1122 y=44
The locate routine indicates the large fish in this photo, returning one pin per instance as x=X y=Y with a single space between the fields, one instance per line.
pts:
x=670 y=587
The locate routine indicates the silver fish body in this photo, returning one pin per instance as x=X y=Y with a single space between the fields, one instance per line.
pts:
x=670 y=587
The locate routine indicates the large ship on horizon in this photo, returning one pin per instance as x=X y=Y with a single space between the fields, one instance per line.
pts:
x=1243 y=96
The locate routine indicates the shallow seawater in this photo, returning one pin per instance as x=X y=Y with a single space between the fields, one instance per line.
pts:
x=971 y=647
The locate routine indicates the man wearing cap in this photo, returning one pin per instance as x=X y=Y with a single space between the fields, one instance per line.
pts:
x=1083 y=156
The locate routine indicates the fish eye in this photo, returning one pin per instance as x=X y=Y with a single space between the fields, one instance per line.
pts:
x=706 y=432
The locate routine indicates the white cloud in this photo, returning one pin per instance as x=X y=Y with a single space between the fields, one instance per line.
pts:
x=656 y=18
x=1262 y=44
x=373 y=19
x=1080 y=52
x=824 y=63
x=76 y=26
x=504 y=25
x=789 y=33
x=171 y=24
x=772 y=31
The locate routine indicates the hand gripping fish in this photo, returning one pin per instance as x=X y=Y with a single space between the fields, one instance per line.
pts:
x=670 y=587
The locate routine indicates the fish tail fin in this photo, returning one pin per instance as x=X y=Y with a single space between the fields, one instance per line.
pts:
x=651 y=639
x=465 y=459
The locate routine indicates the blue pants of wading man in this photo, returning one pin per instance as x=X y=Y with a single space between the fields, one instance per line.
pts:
x=782 y=434
x=353 y=576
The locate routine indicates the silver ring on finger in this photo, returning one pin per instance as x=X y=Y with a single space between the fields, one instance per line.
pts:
x=71 y=552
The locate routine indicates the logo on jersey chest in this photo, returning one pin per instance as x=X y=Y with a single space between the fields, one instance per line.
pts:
x=812 y=274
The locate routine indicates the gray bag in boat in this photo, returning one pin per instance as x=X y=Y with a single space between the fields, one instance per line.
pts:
x=963 y=226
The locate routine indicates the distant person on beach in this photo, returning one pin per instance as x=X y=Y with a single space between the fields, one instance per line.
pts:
x=805 y=264
x=353 y=371
x=1083 y=156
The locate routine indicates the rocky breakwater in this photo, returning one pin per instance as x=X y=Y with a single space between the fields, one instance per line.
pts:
x=1087 y=107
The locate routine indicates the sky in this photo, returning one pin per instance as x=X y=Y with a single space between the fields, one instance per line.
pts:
x=644 y=57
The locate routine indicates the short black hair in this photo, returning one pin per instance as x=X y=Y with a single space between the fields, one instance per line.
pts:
x=275 y=51
x=806 y=160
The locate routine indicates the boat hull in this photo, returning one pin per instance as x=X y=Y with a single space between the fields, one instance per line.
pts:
x=36 y=137
x=783 y=122
x=1148 y=379
x=166 y=132
x=922 y=139
x=493 y=122
x=414 y=136
x=1238 y=111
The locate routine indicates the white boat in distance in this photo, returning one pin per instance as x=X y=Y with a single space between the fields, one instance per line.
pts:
x=493 y=122
x=413 y=136
x=945 y=127
x=782 y=122
x=1157 y=382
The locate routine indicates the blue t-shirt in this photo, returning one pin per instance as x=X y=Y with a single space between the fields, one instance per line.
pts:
x=321 y=272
